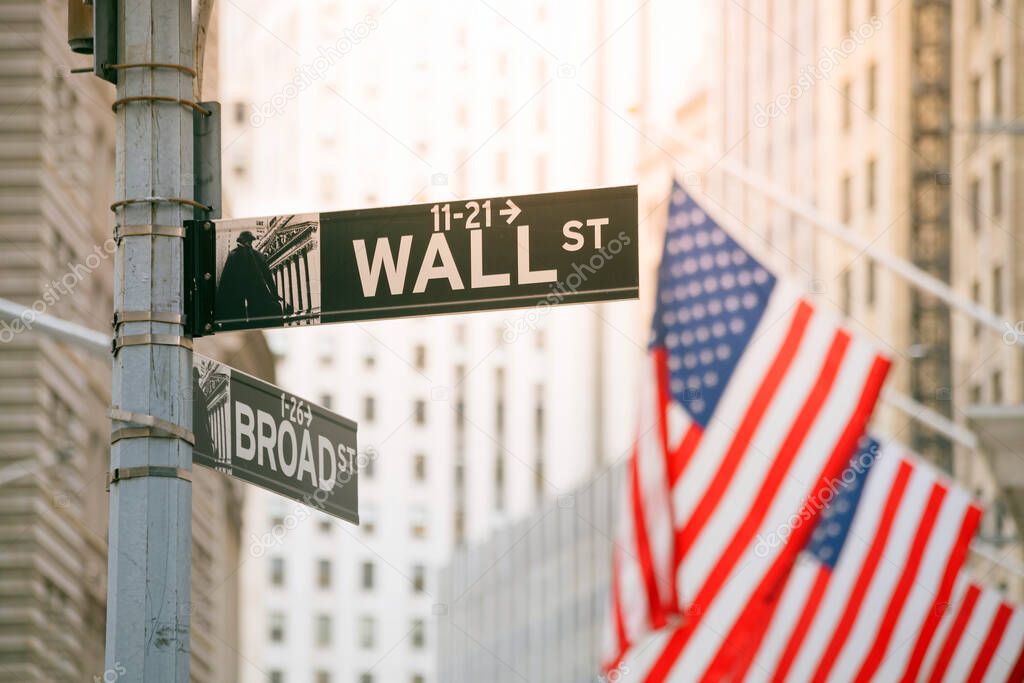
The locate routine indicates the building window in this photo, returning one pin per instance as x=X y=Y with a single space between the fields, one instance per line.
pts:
x=417 y=636
x=369 y=361
x=845 y=291
x=323 y=676
x=366 y=678
x=499 y=402
x=420 y=357
x=872 y=86
x=277 y=571
x=997 y=188
x=997 y=289
x=325 y=401
x=323 y=573
x=369 y=409
x=975 y=204
x=367 y=466
x=847 y=16
x=997 y=387
x=872 y=286
x=277 y=627
x=420 y=411
x=847 y=105
x=323 y=630
x=419 y=578
x=499 y=481
x=418 y=522
x=325 y=525
x=366 y=632
x=977 y=11
x=976 y=298
x=275 y=676
x=870 y=178
x=997 y=88
x=366 y=576
x=417 y=678
x=419 y=467
x=460 y=527
x=846 y=199
x=976 y=99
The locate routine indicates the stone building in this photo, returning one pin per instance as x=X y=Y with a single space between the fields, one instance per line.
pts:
x=56 y=184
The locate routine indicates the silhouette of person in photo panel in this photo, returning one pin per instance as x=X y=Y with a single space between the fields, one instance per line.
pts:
x=247 y=290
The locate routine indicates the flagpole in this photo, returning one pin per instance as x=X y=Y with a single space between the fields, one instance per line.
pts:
x=839 y=230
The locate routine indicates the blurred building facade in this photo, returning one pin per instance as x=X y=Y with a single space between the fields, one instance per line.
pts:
x=529 y=603
x=893 y=118
x=57 y=165
x=466 y=423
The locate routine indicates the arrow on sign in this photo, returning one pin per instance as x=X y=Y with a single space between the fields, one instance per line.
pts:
x=512 y=211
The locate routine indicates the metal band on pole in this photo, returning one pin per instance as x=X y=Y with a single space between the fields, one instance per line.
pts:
x=148 y=230
x=122 y=473
x=147 y=425
x=152 y=200
x=149 y=339
x=121 y=317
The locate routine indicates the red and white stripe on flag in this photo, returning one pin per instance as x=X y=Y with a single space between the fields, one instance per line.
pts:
x=642 y=597
x=871 y=616
x=981 y=638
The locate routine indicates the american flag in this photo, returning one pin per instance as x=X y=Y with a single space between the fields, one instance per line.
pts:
x=871 y=588
x=981 y=638
x=758 y=400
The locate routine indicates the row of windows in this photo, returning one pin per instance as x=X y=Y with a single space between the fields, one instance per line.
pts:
x=418 y=515
x=324 y=574
x=366 y=631
x=277 y=676
x=370 y=408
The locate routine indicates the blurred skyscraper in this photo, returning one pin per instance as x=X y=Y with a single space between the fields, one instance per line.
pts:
x=469 y=422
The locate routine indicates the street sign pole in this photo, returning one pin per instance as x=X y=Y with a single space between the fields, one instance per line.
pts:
x=150 y=505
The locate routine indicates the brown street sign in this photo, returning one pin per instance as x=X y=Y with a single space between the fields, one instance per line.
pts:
x=261 y=434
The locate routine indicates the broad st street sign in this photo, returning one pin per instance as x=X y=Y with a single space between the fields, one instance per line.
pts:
x=481 y=254
x=256 y=432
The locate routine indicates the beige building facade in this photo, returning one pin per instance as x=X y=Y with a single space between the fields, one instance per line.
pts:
x=900 y=120
x=57 y=170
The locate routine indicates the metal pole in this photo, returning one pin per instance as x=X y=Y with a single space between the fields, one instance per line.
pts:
x=150 y=533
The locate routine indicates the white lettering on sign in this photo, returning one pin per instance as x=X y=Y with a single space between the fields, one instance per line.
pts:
x=438 y=246
x=439 y=263
x=527 y=276
x=369 y=274
x=259 y=436
x=573 y=230
x=476 y=262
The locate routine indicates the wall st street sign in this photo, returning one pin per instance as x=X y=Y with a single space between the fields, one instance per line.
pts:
x=261 y=434
x=447 y=257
